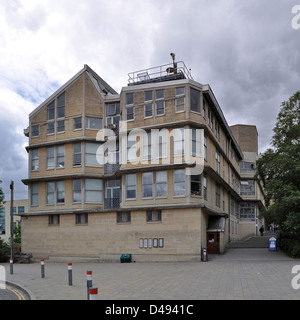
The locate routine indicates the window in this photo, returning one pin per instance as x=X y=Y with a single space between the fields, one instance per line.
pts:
x=196 y=188
x=247 y=167
x=54 y=220
x=147 y=145
x=218 y=195
x=82 y=219
x=247 y=188
x=50 y=128
x=77 y=123
x=50 y=158
x=205 y=186
x=160 y=108
x=131 y=186
x=77 y=191
x=131 y=147
x=93 y=190
x=195 y=100
x=21 y=210
x=35 y=131
x=160 y=94
x=91 y=154
x=61 y=106
x=162 y=143
x=162 y=184
x=129 y=113
x=34 y=159
x=180 y=91
x=205 y=148
x=153 y=216
x=204 y=109
x=196 y=142
x=50 y=189
x=113 y=113
x=178 y=136
x=77 y=154
x=51 y=111
x=148 y=110
x=179 y=183
x=35 y=194
x=217 y=127
x=148 y=95
x=218 y=161
x=60 y=159
x=123 y=217
x=180 y=105
x=147 y=184
x=60 y=126
x=247 y=210
x=129 y=98
x=60 y=192
x=180 y=100
x=160 y=105
x=93 y=123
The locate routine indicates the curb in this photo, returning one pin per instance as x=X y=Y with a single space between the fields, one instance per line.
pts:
x=26 y=291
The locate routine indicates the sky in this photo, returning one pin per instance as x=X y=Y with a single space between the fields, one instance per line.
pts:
x=247 y=51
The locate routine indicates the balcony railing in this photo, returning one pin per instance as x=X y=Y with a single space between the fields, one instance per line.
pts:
x=111 y=168
x=112 y=203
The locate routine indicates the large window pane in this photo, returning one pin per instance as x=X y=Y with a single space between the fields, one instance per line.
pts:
x=195 y=100
x=93 y=190
x=131 y=186
x=179 y=183
x=147 y=181
x=60 y=192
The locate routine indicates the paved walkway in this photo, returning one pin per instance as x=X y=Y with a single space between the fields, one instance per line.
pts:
x=243 y=274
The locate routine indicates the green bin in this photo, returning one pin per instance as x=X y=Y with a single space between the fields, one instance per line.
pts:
x=125 y=258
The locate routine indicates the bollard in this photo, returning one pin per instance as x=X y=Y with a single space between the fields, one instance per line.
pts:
x=43 y=268
x=11 y=264
x=93 y=294
x=70 y=274
x=89 y=283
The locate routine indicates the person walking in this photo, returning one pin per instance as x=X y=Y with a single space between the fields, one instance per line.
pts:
x=261 y=230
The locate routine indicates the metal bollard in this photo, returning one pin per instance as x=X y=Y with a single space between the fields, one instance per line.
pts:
x=70 y=274
x=89 y=283
x=43 y=268
x=93 y=294
x=11 y=264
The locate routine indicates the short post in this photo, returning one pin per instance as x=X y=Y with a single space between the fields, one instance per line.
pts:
x=93 y=294
x=89 y=283
x=70 y=274
x=43 y=268
x=11 y=264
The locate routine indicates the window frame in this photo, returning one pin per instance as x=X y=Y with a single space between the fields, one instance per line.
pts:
x=131 y=186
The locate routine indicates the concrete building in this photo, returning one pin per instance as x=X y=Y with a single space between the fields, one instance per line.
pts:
x=20 y=207
x=251 y=188
x=161 y=182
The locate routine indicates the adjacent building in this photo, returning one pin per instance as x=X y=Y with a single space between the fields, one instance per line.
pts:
x=20 y=207
x=154 y=171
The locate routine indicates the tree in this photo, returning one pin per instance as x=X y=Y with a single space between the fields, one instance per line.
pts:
x=279 y=169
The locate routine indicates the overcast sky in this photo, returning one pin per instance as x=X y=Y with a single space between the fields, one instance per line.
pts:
x=246 y=50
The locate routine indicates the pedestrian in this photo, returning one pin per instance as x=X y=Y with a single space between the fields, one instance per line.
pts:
x=261 y=230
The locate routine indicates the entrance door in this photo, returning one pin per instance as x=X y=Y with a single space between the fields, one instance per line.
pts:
x=213 y=242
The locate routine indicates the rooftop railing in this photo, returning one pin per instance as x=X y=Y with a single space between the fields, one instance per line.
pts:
x=167 y=72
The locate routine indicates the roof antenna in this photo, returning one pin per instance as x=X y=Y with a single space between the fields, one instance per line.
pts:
x=174 y=63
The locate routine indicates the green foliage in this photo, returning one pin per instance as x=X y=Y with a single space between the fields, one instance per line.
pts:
x=4 y=251
x=279 y=169
x=17 y=236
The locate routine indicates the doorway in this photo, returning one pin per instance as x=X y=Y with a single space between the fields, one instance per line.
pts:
x=213 y=242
